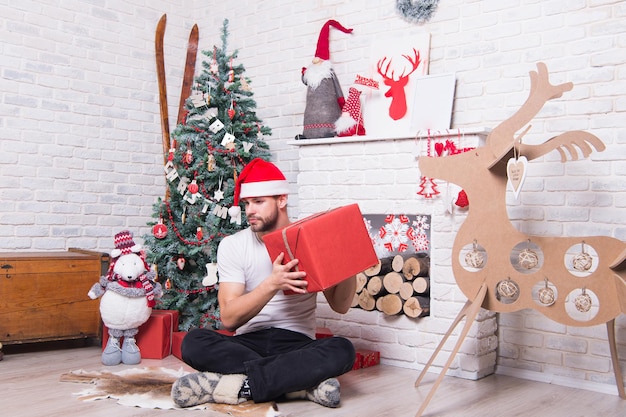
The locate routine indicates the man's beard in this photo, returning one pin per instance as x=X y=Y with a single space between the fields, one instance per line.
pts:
x=266 y=224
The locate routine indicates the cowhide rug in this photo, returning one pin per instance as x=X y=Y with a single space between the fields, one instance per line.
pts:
x=150 y=388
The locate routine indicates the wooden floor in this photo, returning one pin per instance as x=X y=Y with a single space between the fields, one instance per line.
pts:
x=30 y=387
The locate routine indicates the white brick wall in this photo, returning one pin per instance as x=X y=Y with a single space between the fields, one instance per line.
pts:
x=80 y=138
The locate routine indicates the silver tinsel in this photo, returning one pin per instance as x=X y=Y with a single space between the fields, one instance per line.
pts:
x=417 y=11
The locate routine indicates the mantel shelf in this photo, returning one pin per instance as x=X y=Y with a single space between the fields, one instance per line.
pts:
x=422 y=134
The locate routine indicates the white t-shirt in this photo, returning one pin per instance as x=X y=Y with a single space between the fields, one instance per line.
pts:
x=243 y=258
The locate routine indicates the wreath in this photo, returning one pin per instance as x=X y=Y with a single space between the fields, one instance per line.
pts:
x=417 y=11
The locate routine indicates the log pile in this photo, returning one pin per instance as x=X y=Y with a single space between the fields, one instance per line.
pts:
x=398 y=284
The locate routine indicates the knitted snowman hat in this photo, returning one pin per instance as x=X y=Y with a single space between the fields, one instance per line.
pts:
x=260 y=179
x=124 y=244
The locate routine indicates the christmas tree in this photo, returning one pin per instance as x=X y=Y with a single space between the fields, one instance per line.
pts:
x=220 y=135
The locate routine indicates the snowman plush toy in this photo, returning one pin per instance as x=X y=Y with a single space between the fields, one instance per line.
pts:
x=128 y=294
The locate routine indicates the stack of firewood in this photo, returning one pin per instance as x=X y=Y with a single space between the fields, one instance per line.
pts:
x=397 y=284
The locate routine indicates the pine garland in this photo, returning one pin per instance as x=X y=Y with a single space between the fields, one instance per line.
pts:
x=418 y=11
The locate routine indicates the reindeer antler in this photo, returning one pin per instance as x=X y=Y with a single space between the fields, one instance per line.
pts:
x=500 y=139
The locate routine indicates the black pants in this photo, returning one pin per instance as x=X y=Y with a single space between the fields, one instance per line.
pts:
x=276 y=361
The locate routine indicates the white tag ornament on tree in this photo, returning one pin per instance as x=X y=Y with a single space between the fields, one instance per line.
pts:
x=516 y=173
x=228 y=141
x=216 y=126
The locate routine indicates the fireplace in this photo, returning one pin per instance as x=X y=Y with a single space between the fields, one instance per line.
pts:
x=382 y=176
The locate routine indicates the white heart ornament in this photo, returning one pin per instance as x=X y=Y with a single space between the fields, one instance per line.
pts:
x=516 y=173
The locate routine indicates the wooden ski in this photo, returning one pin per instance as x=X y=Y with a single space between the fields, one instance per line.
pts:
x=160 y=64
x=190 y=67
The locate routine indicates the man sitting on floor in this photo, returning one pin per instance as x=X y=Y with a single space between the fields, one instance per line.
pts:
x=274 y=353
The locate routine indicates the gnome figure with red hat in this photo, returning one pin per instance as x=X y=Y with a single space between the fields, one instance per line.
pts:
x=128 y=292
x=324 y=99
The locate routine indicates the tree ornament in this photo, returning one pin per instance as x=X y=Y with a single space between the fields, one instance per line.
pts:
x=244 y=84
x=216 y=126
x=183 y=218
x=475 y=258
x=231 y=72
x=188 y=158
x=231 y=110
x=583 y=301
x=508 y=289
x=180 y=262
x=546 y=294
x=582 y=261
x=235 y=214
x=218 y=195
x=210 y=278
x=170 y=155
x=416 y=11
x=214 y=68
x=168 y=284
x=210 y=164
x=193 y=187
x=246 y=147
x=199 y=233
x=528 y=258
x=159 y=230
x=228 y=141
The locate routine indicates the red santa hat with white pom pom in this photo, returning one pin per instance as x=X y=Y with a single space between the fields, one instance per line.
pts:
x=260 y=179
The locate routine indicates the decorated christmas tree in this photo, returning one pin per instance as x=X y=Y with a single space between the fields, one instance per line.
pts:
x=220 y=135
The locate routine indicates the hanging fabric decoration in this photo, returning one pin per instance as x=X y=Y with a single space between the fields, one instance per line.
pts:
x=416 y=11
x=428 y=187
x=210 y=163
x=231 y=111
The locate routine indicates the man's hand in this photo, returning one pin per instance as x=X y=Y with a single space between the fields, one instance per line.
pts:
x=284 y=277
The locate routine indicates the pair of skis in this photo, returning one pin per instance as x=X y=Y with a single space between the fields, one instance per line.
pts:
x=190 y=65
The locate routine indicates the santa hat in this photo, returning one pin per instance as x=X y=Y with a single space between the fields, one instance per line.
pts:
x=322 y=51
x=124 y=244
x=260 y=179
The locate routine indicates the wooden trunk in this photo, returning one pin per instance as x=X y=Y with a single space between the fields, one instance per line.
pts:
x=43 y=295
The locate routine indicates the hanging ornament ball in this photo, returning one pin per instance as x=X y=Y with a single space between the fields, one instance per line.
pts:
x=582 y=262
x=159 y=230
x=231 y=113
x=168 y=284
x=193 y=187
x=508 y=289
x=583 y=302
x=474 y=259
x=546 y=295
x=180 y=262
x=528 y=259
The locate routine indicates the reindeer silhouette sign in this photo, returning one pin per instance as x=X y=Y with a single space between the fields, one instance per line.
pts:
x=576 y=281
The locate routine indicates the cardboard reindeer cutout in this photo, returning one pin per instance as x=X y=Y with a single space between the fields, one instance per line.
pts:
x=576 y=281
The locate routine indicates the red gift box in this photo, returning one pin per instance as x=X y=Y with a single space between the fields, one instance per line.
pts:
x=331 y=246
x=323 y=332
x=366 y=358
x=154 y=339
x=369 y=357
x=177 y=340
